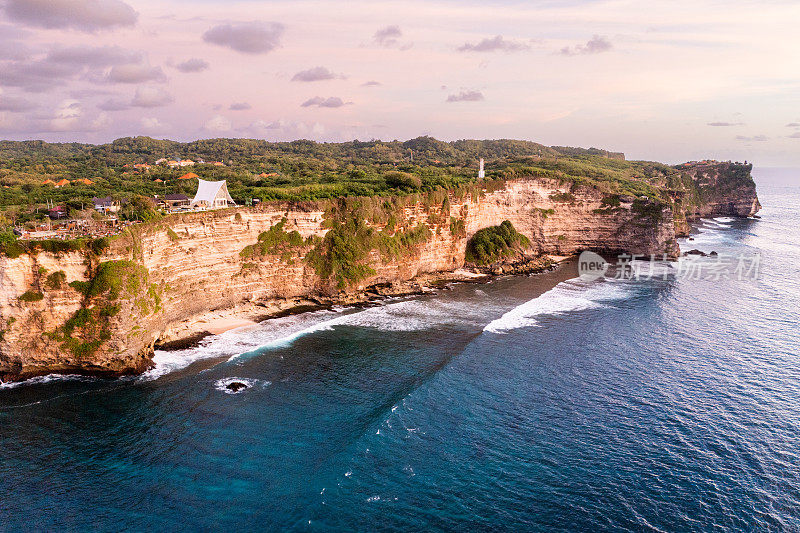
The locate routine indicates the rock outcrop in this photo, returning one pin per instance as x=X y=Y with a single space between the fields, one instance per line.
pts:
x=102 y=314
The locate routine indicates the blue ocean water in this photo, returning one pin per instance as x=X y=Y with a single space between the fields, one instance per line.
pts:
x=651 y=405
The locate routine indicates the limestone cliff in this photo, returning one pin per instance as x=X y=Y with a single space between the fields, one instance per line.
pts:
x=102 y=312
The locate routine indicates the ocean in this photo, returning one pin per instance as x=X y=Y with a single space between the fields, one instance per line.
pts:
x=546 y=403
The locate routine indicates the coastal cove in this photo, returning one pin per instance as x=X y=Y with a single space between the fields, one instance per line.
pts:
x=102 y=311
x=485 y=405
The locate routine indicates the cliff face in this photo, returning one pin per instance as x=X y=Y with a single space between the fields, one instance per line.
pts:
x=722 y=189
x=83 y=313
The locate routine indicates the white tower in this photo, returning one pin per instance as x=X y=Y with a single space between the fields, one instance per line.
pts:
x=481 y=173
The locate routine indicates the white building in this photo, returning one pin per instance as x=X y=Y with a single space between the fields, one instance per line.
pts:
x=212 y=195
x=481 y=172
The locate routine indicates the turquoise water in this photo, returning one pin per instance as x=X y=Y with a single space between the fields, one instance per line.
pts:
x=665 y=404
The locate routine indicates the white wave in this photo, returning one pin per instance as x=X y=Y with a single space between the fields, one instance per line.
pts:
x=724 y=219
x=235 y=342
x=396 y=315
x=49 y=378
x=571 y=295
x=222 y=384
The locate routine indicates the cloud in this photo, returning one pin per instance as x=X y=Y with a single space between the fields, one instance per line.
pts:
x=318 y=101
x=193 y=65
x=756 y=138
x=316 y=74
x=795 y=135
x=91 y=56
x=388 y=36
x=496 y=44
x=793 y=125
x=83 y=15
x=724 y=124
x=283 y=129
x=252 y=38
x=35 y=76
x=13 y=50
x=67 y=116
x=113 y=105
x=152 y=123
x=596 y=45
x=466 y=96
x=218 y=123
x=15 y=105
x=151 y=97
x=135 y=74
x=371 y=83
x=101 y=122
x=240 y=106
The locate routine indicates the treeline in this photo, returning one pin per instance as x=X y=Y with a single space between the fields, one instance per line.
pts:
x=299 y=170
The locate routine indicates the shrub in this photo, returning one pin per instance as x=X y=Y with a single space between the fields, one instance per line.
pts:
x=56 y=280
x=402 y=180
x=563 y=197
x=342 y=253
x=31 y=296
x=495 y=242
x=458 y=228
x=275 y=241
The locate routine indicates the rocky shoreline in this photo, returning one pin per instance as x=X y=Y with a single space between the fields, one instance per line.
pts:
x=189 y=333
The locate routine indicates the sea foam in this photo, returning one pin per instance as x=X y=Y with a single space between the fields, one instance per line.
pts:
x=570 y=295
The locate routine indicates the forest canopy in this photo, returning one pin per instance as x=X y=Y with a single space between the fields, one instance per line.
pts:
x=297 y=170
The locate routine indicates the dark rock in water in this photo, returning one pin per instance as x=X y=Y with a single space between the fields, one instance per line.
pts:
x=713 y=254
x=236 y=386
x=696 y=252
x=691 y=238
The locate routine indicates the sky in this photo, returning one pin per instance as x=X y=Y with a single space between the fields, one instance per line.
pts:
x=667 y=81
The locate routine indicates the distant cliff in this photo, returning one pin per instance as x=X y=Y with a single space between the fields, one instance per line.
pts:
x=102 y=311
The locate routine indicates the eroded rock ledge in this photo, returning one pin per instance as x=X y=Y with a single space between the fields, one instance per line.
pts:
x=102 y=313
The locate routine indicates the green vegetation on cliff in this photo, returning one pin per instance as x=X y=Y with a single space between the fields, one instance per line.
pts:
x=112 y=284
x=298 y=170
x=491 y=244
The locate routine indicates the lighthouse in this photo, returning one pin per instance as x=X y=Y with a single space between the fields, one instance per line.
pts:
x=481 y=173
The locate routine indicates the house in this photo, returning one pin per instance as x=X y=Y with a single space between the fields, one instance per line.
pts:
x=212 y=195
x=190 y=175
x=85 y=181
x=106 y=205
x=173 y=164
x=49 y=182
x=176 y=200
x=162 y=160
x=170 y=201
x=186 y=163
x=142 y=167
x=158 y=180
x=62 y=182
x=218 y=163
x=58 y=212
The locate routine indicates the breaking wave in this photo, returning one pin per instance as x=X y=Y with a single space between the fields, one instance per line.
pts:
x=222 y=384
x=571 y=295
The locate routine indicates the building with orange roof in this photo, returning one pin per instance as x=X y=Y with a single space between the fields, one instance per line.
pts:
x=49 y=182
x=62 y=182
x=85 y=181
x=189 y=176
